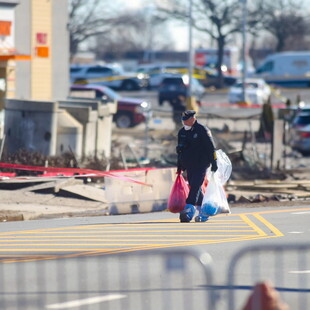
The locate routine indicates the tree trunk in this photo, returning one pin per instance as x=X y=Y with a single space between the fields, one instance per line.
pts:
x=220 y=56
x=280 y=44
x=73 y=47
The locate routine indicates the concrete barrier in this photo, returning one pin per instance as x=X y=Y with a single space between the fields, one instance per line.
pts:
x=125 y=197
x=53 y=128
x=69 y=134
x=96 y=118
x=31 y=125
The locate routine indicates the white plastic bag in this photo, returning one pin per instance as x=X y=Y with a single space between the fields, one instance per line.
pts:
x=224 y=165
x=214 y=200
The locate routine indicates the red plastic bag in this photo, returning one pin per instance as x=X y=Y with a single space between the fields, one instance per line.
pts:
x=178 y=195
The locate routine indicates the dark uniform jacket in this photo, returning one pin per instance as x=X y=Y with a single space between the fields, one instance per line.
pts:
x=195 y=147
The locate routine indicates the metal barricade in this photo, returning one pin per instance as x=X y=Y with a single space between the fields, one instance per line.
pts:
x=162 y=279
x=285 y=266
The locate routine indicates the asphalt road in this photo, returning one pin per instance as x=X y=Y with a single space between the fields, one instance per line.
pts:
x=34 y=251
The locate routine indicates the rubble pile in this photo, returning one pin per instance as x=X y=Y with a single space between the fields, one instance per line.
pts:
x=252 y=180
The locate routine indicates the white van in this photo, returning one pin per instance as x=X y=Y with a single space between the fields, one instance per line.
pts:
x=286 y=68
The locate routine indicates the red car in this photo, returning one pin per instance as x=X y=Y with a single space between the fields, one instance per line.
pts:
x=130 y=111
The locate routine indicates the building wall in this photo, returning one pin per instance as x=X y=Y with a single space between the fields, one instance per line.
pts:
x=23 y=46
x=60 y=50
x=7 y=47
x=41 y=63
x=41 y=31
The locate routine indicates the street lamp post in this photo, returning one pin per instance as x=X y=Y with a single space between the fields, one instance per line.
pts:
x=190 y=48
x=190 y=100
x=244 y=61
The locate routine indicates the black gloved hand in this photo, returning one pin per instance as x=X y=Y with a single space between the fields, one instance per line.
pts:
x=214 y=166
x=178 y=149
x=179 y=169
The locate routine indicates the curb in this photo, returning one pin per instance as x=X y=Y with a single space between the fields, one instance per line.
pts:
x=12 y=217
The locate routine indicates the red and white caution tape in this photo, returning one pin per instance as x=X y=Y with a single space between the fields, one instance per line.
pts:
x=78 y=171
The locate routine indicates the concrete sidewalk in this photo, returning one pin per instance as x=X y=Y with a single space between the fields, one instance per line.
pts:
x=18 y=205
x=21 y=205
x=82 y=208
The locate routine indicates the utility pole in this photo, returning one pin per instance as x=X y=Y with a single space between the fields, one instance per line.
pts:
x=244 y=60
x=190 y=48
x=190 y=100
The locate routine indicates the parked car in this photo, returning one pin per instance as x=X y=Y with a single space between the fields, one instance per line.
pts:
x=198 y=73
x=290 y=113
x=154 y=73
x=257 y=91
x=212 y=79
x=157 y=72
x=177 y=86
x=301 y=139
x=108 y=75
x=130 y=111
x=296 y=123
x=301 y=119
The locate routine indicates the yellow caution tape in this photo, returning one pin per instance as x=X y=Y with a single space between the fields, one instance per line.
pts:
x=277 y=93
x=103 y=79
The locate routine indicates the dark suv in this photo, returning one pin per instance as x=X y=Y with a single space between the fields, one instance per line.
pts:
x=174 y=88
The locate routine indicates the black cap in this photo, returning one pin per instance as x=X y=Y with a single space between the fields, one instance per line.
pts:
x=188 y=114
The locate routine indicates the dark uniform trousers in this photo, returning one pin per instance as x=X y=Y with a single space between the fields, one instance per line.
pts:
x=195 y=177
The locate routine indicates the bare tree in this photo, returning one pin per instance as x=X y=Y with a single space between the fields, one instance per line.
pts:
x=90 y=18
x=145 y=35
x=285 y=21
x=218 y=19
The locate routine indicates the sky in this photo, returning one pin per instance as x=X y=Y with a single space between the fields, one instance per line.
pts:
x=179 y=33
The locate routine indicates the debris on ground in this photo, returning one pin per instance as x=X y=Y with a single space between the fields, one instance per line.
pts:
x=252 y=180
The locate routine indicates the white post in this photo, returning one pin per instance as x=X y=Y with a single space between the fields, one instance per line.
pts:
x=244 y=61
x=190 y=48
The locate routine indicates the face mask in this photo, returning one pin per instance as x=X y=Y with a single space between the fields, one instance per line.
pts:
x=187 y=127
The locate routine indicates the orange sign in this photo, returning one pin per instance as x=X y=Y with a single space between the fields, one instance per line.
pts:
x=5 y=28
x=42 y=51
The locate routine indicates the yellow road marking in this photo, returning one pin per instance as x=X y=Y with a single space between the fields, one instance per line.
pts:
x=96 y=252
x=259 y=231
x=40 y=233
x=275 y=230
x=132 y=240
x=218 y=219
x=274 y=211
x=103 y=236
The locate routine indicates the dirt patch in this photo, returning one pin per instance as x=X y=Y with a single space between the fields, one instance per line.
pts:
x=156 y=148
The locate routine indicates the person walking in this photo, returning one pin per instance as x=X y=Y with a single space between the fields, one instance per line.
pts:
x=196 y=152
x=178 y=106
